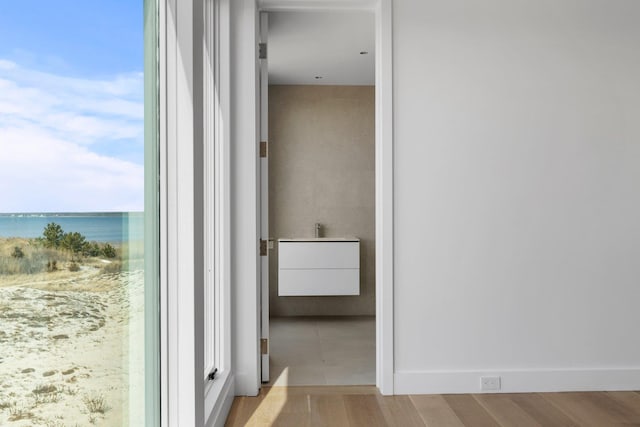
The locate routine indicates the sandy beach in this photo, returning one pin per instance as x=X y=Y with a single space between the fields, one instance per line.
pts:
x=71 y=348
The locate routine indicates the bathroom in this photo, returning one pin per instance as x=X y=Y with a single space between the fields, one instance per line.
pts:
x=321 y=198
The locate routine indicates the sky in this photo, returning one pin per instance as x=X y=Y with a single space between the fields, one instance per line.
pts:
x=71 y=106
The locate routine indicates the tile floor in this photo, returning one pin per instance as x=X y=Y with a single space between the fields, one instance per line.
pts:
x=322 y=350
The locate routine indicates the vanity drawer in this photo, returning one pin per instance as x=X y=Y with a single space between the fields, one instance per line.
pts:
x=319 y=282
x=310 y=255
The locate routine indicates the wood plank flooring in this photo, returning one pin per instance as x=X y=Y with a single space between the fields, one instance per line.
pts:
x=363 y=406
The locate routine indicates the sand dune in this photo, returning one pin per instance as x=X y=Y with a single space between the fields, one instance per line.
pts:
x=66 y=352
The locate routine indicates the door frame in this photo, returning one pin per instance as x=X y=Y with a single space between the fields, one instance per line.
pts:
x=264 y=204
x=246 y=125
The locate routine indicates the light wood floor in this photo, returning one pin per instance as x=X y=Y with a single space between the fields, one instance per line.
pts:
x=362 y=406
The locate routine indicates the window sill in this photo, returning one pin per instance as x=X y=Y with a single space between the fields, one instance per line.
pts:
x=218 y=397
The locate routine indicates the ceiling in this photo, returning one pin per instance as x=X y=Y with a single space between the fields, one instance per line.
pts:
x=310 y=44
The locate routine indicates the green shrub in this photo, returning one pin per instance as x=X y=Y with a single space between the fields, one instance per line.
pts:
x=108 y=251
x=17 y=253
x=91 y=249
x=74 y=266
x=72 y=242
x=52 y=235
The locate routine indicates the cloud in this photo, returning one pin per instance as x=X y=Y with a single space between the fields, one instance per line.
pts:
x=6 y=65
x=55 y=133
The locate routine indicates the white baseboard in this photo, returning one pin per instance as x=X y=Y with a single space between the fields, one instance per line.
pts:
x=223 y=403
x=514 y=381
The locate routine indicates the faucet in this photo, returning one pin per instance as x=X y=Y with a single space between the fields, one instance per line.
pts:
x=318 y=227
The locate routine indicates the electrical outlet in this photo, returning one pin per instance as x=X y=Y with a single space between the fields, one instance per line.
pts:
x=489 y=383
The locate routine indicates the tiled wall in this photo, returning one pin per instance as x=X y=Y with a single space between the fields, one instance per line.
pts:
x=322 y=169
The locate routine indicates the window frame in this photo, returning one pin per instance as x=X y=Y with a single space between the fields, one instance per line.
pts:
x=217 y=197
x=152 y=289
x=186 y=198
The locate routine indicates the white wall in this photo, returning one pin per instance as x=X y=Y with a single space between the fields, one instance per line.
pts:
x=322 y=170
x=245 y=307
x=517 y=194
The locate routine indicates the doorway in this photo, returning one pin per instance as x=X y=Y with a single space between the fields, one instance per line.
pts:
x=319 y=180
x=245 y=174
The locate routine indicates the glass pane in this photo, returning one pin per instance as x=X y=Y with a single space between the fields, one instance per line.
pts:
x=78 y=218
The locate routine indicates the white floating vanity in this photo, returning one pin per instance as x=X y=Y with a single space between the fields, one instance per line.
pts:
x=318 y=266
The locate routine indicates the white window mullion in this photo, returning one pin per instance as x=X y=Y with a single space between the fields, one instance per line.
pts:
x=182 y=138
x=218 y=393
x=210 y=191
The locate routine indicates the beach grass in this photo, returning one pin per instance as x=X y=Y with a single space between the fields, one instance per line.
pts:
x=21 y=256
x=33 y=256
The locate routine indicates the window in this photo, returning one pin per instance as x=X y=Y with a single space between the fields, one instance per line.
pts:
x=216 y=205
x=79 y=217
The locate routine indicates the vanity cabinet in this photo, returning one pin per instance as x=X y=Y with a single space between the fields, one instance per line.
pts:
x=318 y=267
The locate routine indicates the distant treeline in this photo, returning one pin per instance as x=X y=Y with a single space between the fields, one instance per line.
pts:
x=69 y=214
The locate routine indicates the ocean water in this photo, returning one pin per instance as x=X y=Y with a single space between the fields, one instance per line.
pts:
x=99 y=227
